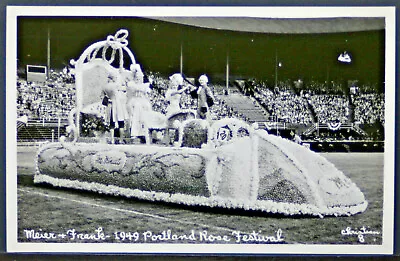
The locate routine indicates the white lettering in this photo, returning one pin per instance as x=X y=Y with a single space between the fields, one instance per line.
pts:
x=204 y=236
x=99 y=235
x=258 y=237
x=32 y=234
x=168 y=235
x=360 y=233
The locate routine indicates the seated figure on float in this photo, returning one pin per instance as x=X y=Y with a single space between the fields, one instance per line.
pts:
x=139 y=106
x=141 y=116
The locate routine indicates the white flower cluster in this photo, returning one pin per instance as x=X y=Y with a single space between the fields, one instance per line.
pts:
x=268 y=206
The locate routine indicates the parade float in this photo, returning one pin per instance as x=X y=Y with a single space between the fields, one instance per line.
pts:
x=225 y=163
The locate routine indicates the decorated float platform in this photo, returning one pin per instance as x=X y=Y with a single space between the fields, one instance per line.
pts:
x=217 y=164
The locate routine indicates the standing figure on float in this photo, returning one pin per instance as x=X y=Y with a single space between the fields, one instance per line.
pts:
x=139 y=106
x=205 y=98
x=173 y=94
x=115 y=98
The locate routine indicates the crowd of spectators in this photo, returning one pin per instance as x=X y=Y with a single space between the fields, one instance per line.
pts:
x=284 y=105
x=320 y=102
x=49 y=100
x=367 y=88
x=369 y=108
x=314 y=87
x=330 y=108
x=54 y=99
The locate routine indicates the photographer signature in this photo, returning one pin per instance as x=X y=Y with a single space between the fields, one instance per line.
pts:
x=360 y=233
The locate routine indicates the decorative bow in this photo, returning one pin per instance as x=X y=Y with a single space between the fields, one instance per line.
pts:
x=119 y=39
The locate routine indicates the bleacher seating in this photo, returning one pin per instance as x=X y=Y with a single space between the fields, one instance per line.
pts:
x=330 y=108
x=285 y=106
x=246 y=106
x=45 y=104
x=39 y=133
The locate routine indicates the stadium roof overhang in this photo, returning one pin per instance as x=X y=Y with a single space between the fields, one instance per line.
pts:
x=282 y=25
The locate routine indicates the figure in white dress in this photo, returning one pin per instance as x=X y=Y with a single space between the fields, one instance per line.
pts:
x=139 y=106
x=173 y=94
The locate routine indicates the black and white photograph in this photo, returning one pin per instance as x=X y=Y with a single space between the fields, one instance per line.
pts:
x=200 y=130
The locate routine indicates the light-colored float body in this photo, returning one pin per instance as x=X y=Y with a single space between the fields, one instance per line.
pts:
x=257 y=172
x=227 y=163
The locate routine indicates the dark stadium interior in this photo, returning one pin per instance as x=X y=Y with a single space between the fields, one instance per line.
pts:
x=156 y=45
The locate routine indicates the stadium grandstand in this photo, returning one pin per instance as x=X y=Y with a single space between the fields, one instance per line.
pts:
x=287 y=82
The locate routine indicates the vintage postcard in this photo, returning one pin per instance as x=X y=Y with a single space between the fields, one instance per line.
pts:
x=200 y=130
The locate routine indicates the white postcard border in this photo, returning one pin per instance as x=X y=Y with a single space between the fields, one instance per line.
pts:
x=13 y=12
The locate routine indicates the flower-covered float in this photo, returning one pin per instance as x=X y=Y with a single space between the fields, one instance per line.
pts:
x=226 y=163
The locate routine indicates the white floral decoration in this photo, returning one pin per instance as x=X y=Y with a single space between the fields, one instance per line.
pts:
x=268 y=206
x=216 y=158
